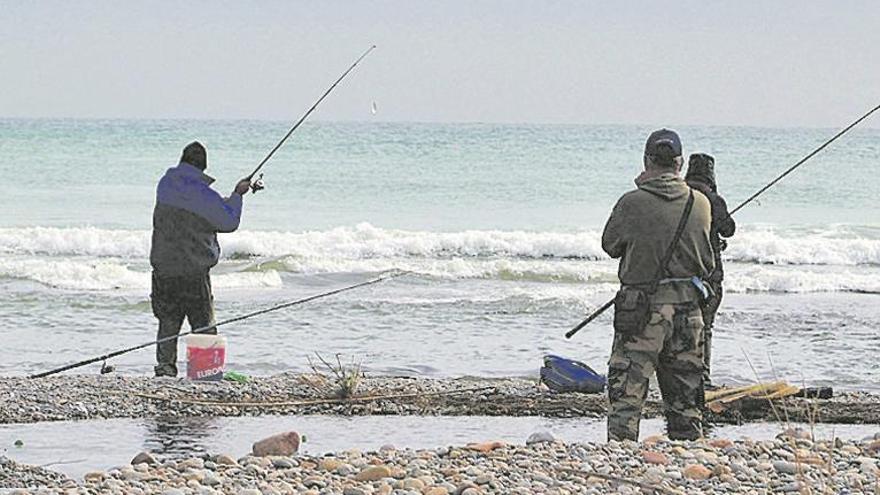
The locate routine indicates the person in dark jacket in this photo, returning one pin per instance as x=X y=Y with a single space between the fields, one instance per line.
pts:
x=187 y=217
x=701 y=176
x=666 y=343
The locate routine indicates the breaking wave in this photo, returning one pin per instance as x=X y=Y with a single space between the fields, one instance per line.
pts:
x=797 y=280
x=834 y=246
x=110 y=275
x=831 y=247
x=760 y=259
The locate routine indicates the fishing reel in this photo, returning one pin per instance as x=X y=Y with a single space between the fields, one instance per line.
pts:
x=258 y=184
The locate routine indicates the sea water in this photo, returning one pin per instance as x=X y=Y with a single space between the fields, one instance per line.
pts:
x=500 y=225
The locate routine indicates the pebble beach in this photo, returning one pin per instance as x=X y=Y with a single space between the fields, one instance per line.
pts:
x=792 y=463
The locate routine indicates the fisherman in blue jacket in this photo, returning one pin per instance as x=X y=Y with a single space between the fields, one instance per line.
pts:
x=187 y=217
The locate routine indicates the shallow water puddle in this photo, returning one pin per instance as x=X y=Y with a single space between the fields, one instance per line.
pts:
x=76 y=447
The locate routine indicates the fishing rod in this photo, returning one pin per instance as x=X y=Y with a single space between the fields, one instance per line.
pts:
x=392 y=274
x=802 y=160
x=258 y=185
x=604 y=307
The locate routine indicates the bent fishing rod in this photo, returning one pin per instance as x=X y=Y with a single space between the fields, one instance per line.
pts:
x=258 y=184
x=105 y=357
x=604 y=307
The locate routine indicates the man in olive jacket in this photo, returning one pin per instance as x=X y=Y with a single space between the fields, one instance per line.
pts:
x=701 y=176
x=639 y=232
x=187 y=217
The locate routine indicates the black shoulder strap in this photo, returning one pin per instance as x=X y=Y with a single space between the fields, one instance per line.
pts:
x=671 y=249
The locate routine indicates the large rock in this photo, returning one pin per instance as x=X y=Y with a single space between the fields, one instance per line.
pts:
x=652 y=457
x=414 y=484
x=282 y=463
x=314 y=482
x=191 y=463
x=697 y=472
x=795 y=486
x=868 y=466
x=851 y=449
x=486 y=446
x=283 y=444
x=329 y=464
x=144 y=458
x=464 y=487
x=540 y=437
x=94 y=477
x=225 y=460
x=373 y=473
x=785 y=467
x=795 y=433
x=655 y=439
x=720 y=443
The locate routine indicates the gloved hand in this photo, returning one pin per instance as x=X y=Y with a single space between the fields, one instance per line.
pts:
x=242 y=187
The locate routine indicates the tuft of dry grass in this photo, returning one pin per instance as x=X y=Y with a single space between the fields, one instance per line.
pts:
x=343 y=379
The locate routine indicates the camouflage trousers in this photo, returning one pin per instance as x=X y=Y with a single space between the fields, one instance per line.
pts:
x=670 y=346
x=173 y=299
x=710 y=308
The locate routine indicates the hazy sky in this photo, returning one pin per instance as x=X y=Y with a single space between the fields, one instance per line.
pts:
x=765 y=63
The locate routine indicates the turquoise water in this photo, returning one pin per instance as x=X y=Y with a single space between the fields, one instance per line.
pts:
x=499 y=223
x=417 y=176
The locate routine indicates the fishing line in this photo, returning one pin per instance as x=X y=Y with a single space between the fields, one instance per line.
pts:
x=804 y=159
x=751 y=198
x=392 y=274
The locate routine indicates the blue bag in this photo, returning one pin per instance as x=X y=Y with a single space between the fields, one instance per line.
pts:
x=566 y=375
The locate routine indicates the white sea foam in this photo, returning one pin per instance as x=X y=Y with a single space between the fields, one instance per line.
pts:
x=562 y=271
x=359 y=242
x=104 y=274
x=75 y=241
x=366 y=241
x=75 y=274
x=348 y=246
x=569 y=275
x=769 y=246
x=799 y=279
x=602 y=276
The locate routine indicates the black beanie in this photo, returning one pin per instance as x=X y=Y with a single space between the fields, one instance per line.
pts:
x=195 y=155
x=701 y=167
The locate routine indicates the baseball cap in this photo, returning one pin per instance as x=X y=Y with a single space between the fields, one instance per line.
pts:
x=663 y=142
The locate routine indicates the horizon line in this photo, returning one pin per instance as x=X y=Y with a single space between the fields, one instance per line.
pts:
x=424 y=122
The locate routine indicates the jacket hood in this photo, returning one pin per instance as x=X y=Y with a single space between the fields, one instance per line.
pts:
x=668 y=186
x=185 y=171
